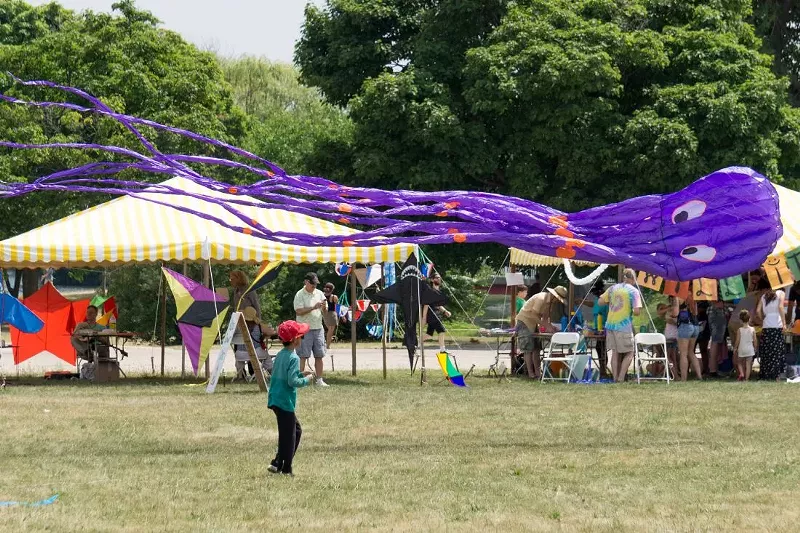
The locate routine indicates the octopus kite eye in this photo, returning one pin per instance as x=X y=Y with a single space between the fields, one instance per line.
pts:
x=700 y=253
x=688 y=211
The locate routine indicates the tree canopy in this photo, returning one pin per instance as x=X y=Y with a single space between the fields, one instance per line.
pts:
x=570 y=102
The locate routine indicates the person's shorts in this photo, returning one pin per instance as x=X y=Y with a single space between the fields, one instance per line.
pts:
x=313 y=343
x=688 y=331
x=435 y=326
x=330 y=318
x=526 y=342
x=718 y=332
x=619 y=341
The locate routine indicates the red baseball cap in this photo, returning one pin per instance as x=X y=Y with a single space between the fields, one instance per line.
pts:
x=290 y=330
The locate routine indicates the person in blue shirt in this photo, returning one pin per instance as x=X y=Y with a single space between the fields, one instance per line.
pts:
x=282 y=397
x=599 y=319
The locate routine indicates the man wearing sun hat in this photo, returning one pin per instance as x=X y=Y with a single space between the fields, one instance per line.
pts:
x=282 y=397
x=308 y=304
x=536 y=312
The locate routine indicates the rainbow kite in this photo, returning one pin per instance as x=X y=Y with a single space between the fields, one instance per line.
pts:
x=449 y=370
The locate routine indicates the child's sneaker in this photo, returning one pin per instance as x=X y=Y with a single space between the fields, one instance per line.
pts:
x=321 y=383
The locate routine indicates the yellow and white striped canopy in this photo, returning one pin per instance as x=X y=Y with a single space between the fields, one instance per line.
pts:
x=134 y=230
x=790 y=217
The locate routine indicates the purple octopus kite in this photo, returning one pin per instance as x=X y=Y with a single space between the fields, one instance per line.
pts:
x=721 y=225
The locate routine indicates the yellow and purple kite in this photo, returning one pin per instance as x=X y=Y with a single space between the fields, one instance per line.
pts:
x=200 y=312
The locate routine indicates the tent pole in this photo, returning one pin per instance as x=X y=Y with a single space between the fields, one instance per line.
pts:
x=207 y=284
x=513 y=348
x=105 y=282
x=353 y=302
x=385 y=316
x=183 y=345
x=163 y=323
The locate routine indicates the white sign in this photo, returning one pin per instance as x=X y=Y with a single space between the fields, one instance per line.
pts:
x=514 y=278
x=223 y=349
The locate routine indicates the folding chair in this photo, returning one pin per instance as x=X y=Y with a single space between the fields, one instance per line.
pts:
x=568 y=339
x=650 y=342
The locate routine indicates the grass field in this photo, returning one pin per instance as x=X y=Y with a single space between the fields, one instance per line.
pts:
x=148 y=455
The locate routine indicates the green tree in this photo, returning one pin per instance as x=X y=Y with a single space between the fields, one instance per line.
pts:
x=778 y=22
x=571 y=102
x=128 y=61
x=290 y=124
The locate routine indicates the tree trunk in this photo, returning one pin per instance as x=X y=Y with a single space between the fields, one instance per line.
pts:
x=30 y=281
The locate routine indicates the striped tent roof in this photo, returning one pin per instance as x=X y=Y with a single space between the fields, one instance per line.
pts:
x=134 y=230
x=790 y=217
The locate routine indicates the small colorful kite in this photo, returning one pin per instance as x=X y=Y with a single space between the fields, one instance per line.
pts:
x=449 y=370
x=266 y=273
x=14 y=313
x=200 y=311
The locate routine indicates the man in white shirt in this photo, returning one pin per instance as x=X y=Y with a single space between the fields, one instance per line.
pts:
x=309 y=303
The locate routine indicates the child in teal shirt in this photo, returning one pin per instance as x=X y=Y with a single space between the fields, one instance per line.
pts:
x=282 y=397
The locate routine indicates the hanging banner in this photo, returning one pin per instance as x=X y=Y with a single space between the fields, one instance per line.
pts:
x=368 y=276
x=731 y=289
x=705 y=289
x=649 y=281
x=679 y=289
x=778 y=271
x=362 y=305
x=793 y=262
x=375 y=307
x=342 y=310
x=426 y=269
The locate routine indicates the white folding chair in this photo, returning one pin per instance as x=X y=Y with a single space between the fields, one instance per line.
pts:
x=650 y=342
x=570 y=340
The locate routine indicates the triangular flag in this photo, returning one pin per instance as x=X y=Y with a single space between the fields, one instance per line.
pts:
x=362 y=305
x=679 y=289
x=731 y=289
x=375 y=307
x=343 y=269
x=705 y=289
x=778 y=272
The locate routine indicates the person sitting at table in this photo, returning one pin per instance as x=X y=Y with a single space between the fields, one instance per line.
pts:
x=537 y=312
x=82 y=343
x=259 y=332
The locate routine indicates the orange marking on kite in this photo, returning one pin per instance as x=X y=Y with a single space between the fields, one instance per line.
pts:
x=441 y=214
x=559 y=220
x=459 y=237
x=247 y=231
x=344 y=208
x=452 y=230
x=343 y=220
x=364 y=201
x=451 y=205
x=565 y=252
x=563 y=232
x=348 y=243
x=233 y=190
x=270 y=174
x=333 y=186
x=576 y=242
x=253 y=222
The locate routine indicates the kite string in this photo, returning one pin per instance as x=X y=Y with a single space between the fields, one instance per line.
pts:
x=216 y=310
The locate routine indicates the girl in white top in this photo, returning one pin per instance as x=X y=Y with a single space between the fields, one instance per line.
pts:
x=771 y=346
x=745 y=346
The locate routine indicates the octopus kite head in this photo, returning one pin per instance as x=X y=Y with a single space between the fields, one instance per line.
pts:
x=723 y=219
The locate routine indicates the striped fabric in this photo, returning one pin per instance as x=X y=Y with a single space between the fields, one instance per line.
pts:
x=790 y=217
x=129 y=229
x=523 y=258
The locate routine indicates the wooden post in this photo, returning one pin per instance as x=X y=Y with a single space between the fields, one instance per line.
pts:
x=207 y=284
x=353 y=309
x=513 y=269
x=620 y=271
x=421 y=342
x=385 y=322
x=163 y=322
x=571 y=304
x=513 y=343
x=183 y=344
x=251 y=351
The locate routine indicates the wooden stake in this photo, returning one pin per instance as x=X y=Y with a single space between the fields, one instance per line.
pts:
x=251 y=351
